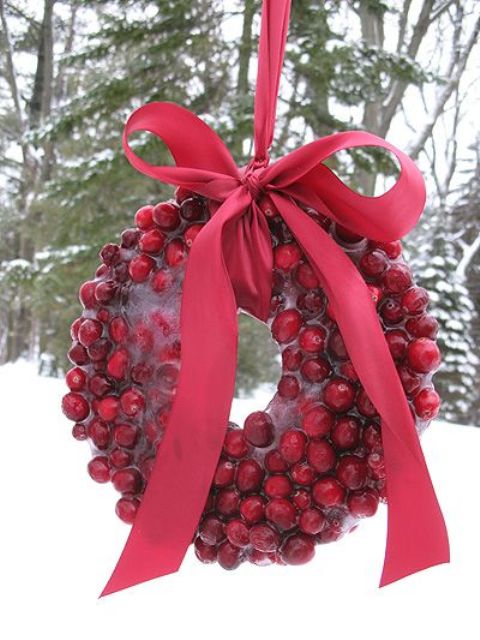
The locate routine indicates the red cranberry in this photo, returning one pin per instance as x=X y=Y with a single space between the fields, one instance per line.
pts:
x=237 y=533
x=306 y=277
x=100 y=349
x=129 y=238
x=110 y=254
x=321 y=456
x=120 y=458
x=281 y=513
x=162 y=280
x=352 y=472
x=211 y=530
x=99 y=469
x=302 y=499
x=249 y=476
x=87 y=294
x=391 y=311
x=99 y=432
x=363 y=504
x=286 y=256
x=288 y=387
x=317 y=422
x=292 y=445
x=371 y=436
x=132 y=401
x=175 y=252
x=89 y=331
x=79 y=432
x=143 y=338
x=99 y=385
x=339 y=395
x=423 y=355
x=235 y=445
x=252 y=509
x=264 y=538
x=227 y=501
x=258 y=429
x=76 y=379
x=311 y=303
x=105 y=291
x=392 y=249
x=346 y=432
x=118 y=329
x=167 y=216
x=373 y=264
x=348 y=371
x=228 y=555
x=397 y=341
x=312 y=339
x=415 y=300
x=144 y=217
x=74 y=327
x=140 y=267
x=315 y=370
x=204 y=552
x=397 y=278
x=427 y=404
x=141 y=373
x=152 y=241
x=277 y=486
x=297 y=549
x=336 y=346
x=127 y=480
x=78 y=354
x=291 y=358
x=125 y=435
x=108 y=408
x=328 y=492
x=302 y=473
x=274 y=462
x=117 y=366
x=126 y=509
x=75 y=407
x=410 y=381
x=311 y=521
x=376 y=465
x=192 y=209
x=286 y=325
x=224 y=473
x=191 y=233
x=423 y=326
x=364 y=405
x=102 y=271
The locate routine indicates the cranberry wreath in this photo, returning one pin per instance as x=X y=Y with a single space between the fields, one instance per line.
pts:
x=300 y=472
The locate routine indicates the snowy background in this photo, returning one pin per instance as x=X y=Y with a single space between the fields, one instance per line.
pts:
x=61 y=539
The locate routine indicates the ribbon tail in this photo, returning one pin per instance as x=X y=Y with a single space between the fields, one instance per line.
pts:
x=417 y=537
x=188 y=454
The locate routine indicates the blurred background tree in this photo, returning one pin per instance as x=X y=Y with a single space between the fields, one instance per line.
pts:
x=72 y=71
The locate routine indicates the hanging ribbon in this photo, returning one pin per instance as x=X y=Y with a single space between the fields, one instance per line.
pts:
x=230 y=266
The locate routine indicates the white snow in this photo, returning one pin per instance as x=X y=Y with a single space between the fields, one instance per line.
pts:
x=60 y=540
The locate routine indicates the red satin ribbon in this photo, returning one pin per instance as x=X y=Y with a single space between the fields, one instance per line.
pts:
x=230 y=266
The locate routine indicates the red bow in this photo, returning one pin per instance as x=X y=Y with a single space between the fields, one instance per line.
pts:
x=230 y=266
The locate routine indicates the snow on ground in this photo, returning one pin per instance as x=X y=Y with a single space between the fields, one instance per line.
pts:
x=60 y=540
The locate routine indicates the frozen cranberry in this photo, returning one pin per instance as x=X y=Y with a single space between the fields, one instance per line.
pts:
x=110 y=254
x=286 y=256
x=373 y=263
x=391 y=311
x=132 y=401
x=129 y=238
x=264 y=538
x=427 y=404
x=100 y=349
x=311 y=303
x=397 y=278
x=410 y=381
x=105 y=291
x=237 y=533
x=235 y=445
x=312 y=339
x=352 y=472
x=328 y=492
x=127 y=480
x=224 y=473
x=99 y=432
x=74 y=327
x=89 y=331
x=152 y=241
x=371 y=436
x=99 y=469
x=423 y=355
x=288 y=387
x=274 y=462
x=126 y=509
x=75 y=406
x=291 y=358
x=191 y=233
x=118 y=363
x=227 y=501
x=99 y=385
x=79 y=432
x=317 y=422
x=348 y=371
x=415 y=300
x=397 y=341
x=108 y=408
x=143 y=337
x=277 y=486
x=346 y=432
x=311 y=521
x=376 y=465
x=393 y=249
x=321 y=456
x=167 y=216
x=140 y=267
x=249 y=476
x=302 y=473
x=175 y=252
x=365 y=405
x=125 y=435
x=363 y=504
x=315 y=370
x=281 y=513
x=120 y=458
x=78 y=354
x=292 y=445
x=144 y=217
x=118 y=329
x=286 y=325
x=339 y=395
x=306 y=277
x=76 y=379
x=302 y=499
x=87 y=294
x=103 y=315
x=204 y=552
x=252 y=509
x=336 y=346
x=141 y=373
x=192 y=209
x=297 y=549
x=258 y=429
x=211 y=530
